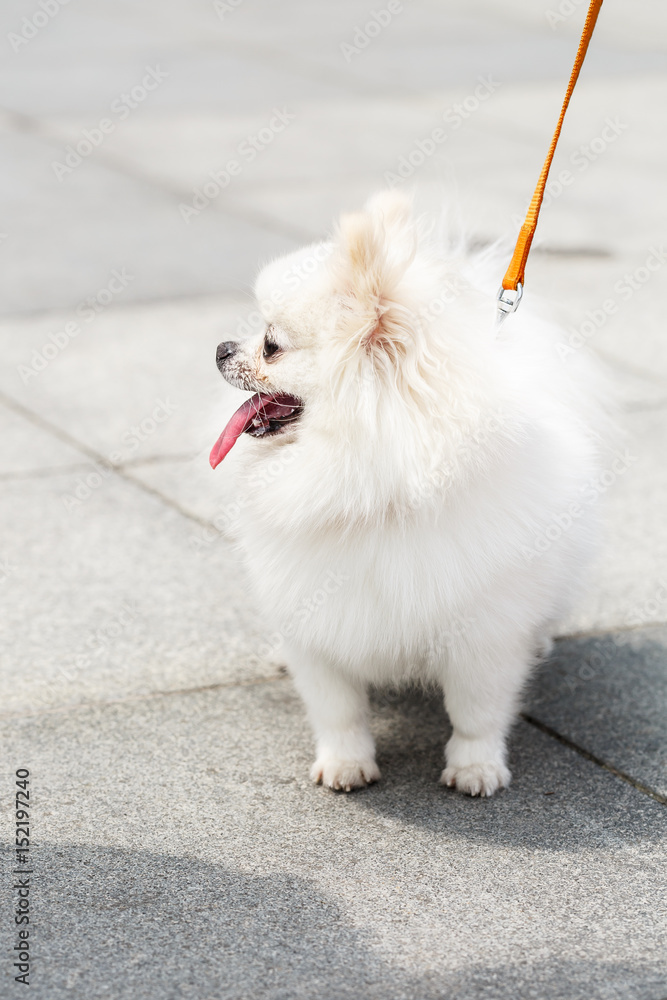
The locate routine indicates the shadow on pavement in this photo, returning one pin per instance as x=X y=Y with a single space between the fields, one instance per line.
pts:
x=558 y=800
x=129 y=924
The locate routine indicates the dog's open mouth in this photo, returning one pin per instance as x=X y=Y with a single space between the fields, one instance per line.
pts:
x=263 y=415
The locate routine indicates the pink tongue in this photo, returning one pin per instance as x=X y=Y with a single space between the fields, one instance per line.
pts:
x=272 y=406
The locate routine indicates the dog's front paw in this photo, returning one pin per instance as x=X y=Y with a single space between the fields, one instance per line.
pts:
x=344 y=775
x=476 y=767
x=477 y=779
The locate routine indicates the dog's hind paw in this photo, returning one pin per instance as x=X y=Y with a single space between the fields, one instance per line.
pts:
x=344 y=775
x=477 y=779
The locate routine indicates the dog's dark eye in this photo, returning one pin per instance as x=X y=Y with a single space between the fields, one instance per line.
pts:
x=270 y=349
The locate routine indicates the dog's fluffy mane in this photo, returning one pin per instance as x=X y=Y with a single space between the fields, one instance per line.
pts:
x=416 y=385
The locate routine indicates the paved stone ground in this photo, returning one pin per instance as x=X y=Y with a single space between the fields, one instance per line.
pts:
x=179 y=850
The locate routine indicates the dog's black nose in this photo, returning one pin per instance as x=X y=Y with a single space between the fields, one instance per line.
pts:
x=224 y=351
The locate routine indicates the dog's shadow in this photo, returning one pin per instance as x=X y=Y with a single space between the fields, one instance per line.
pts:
x=558 y=800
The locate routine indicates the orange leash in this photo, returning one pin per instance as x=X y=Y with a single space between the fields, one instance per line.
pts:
x=511 y=289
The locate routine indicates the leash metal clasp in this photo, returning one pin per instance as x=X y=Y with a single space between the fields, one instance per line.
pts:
x=508 y=302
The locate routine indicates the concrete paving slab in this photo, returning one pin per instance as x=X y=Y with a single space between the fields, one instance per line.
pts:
x=182 y=852
x=104 y=27
x=608 y=694
x=484 y=20
x=26 y=449
x=617 y=24
x=419 y=60
x=109 y=592
x=194 y=486
x=180 y=849
x=237 y=57
x=488 y=164
x=94 y=72
x=608 y=142
x=420 y=47
x=323 y=140
x=133 y=383
x=603 y=307
x=633 y=554
x=57 y=226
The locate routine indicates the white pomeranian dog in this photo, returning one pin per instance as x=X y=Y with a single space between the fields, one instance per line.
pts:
x=409 y=487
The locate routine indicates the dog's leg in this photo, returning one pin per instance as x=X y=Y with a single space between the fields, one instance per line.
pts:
x=482 y=683
x=338 y=711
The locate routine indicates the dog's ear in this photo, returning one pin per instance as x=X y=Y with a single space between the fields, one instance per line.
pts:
x=375 y=249
x=393 y=208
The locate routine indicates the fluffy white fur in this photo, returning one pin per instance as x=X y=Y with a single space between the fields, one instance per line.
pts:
x=390 y=533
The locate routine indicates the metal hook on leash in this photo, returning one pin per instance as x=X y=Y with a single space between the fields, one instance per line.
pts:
x=508 y=302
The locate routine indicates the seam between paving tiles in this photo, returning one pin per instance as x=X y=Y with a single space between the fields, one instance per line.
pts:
x=223 y=297
x=623 y=775
x=54 y=470
x=610 y=630
x=151 y=695
x=118 y=164
x=262 y=219
x=95 y=456
x=57 y=470
x=158 y=459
